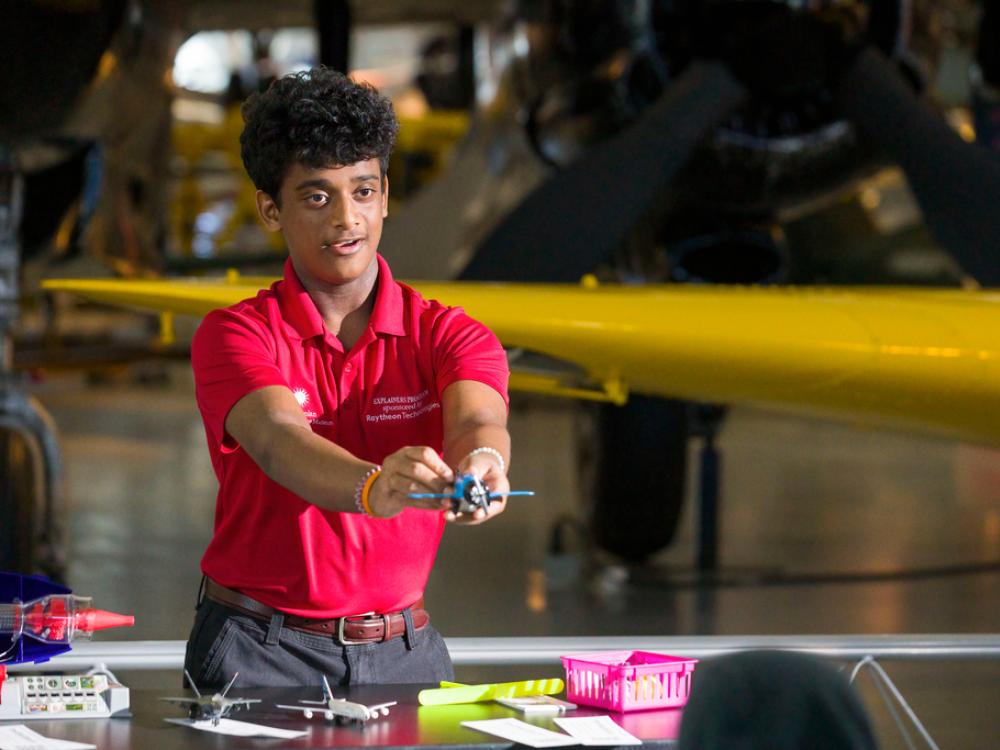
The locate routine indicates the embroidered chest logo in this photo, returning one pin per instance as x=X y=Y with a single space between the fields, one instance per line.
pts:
x=302 y=396
x=400 y=408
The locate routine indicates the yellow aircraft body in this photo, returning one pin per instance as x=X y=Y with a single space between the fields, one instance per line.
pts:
x=921 y=359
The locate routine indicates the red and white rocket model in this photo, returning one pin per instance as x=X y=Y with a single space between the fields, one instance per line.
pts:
x=40 y=619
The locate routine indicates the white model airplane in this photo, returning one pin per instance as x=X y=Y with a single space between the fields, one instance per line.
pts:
x=211 y=707
x=340 y=709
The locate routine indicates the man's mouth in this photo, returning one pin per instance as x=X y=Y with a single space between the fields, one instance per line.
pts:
x=347 y=245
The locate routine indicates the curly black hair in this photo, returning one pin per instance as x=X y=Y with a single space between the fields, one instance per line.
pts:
x=317 y=118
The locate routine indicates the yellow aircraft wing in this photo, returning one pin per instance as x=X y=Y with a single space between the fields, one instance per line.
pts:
x=922 y=359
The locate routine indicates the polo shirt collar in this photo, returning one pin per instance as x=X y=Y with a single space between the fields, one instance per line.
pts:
x=387 y=316
x=301 y=314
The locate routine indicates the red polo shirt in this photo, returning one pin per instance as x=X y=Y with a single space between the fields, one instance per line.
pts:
x=382 y=395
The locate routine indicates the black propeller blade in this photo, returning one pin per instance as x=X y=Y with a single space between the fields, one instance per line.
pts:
x=577 y=217
x=957 y=184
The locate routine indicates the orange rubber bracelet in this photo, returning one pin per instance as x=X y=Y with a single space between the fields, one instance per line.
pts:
x=367 y=489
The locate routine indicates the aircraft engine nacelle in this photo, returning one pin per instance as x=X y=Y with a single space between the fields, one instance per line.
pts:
x=585 y=69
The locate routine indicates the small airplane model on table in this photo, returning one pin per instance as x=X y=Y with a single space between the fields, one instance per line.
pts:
x=340 y=710
x=469 y=494
x=214 y=707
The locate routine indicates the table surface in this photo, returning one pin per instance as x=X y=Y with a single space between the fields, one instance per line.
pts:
x=408 y=725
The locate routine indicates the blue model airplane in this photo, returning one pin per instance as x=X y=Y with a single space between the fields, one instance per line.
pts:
x=469 y=494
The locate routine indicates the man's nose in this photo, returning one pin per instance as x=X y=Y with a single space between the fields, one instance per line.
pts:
x=345 y=213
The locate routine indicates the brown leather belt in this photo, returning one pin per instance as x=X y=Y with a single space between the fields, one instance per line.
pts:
x=354 y=629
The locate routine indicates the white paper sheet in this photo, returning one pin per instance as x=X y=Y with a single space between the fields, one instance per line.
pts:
x=597 y=730
x=537 y=705
x=239 y=728
x=19 y=737
x=516 y=730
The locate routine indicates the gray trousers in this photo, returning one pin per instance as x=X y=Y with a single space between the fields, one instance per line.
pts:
x=225 y=641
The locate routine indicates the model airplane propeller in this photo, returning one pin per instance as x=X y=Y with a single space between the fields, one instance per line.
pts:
x=40 y=619
x=469 y=494
x=340 y=709
x=214 y=707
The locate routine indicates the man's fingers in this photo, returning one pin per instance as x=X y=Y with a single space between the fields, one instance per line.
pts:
x=399 y=488
x=424 y=479
x=429 y=458
x=428 y=503
x=479 y=516
x=409 y=484
x=420 y=467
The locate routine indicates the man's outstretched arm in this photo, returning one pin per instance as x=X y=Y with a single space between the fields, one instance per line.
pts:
x=269 y=425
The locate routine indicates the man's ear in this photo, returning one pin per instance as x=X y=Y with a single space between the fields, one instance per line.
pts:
x=269 y=212
x=385 y=195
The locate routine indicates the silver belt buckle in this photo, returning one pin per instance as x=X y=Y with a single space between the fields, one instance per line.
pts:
x=340 y=630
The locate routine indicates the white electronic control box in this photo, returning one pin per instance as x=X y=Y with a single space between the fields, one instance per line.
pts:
x=62 y=696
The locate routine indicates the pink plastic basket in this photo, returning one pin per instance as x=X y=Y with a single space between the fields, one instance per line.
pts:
x=628 y=680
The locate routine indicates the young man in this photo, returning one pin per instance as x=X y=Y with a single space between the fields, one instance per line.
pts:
x=327 y=400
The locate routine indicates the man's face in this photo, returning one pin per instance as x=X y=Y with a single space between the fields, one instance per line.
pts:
x=331 y=219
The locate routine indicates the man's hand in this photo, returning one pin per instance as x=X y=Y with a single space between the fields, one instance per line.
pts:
x=487 y=468
x=414 y=469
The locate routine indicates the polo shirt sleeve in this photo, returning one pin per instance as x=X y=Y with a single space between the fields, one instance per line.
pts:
x=465 y=349
x=230 y=357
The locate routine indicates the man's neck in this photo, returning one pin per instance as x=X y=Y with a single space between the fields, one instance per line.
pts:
x=346 y=308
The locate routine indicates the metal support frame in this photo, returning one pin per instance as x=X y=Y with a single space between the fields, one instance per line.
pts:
x=706 y=424
x=19 y=414
x=886 y=688
x=23 y=416
x=333 y=24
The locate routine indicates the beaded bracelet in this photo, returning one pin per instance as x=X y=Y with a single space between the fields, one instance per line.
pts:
x=493 y=452
x=362 y=488
x=365 y=493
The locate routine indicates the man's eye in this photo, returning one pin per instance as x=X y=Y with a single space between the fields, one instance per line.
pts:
x=366 y=192
x=317 y=199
